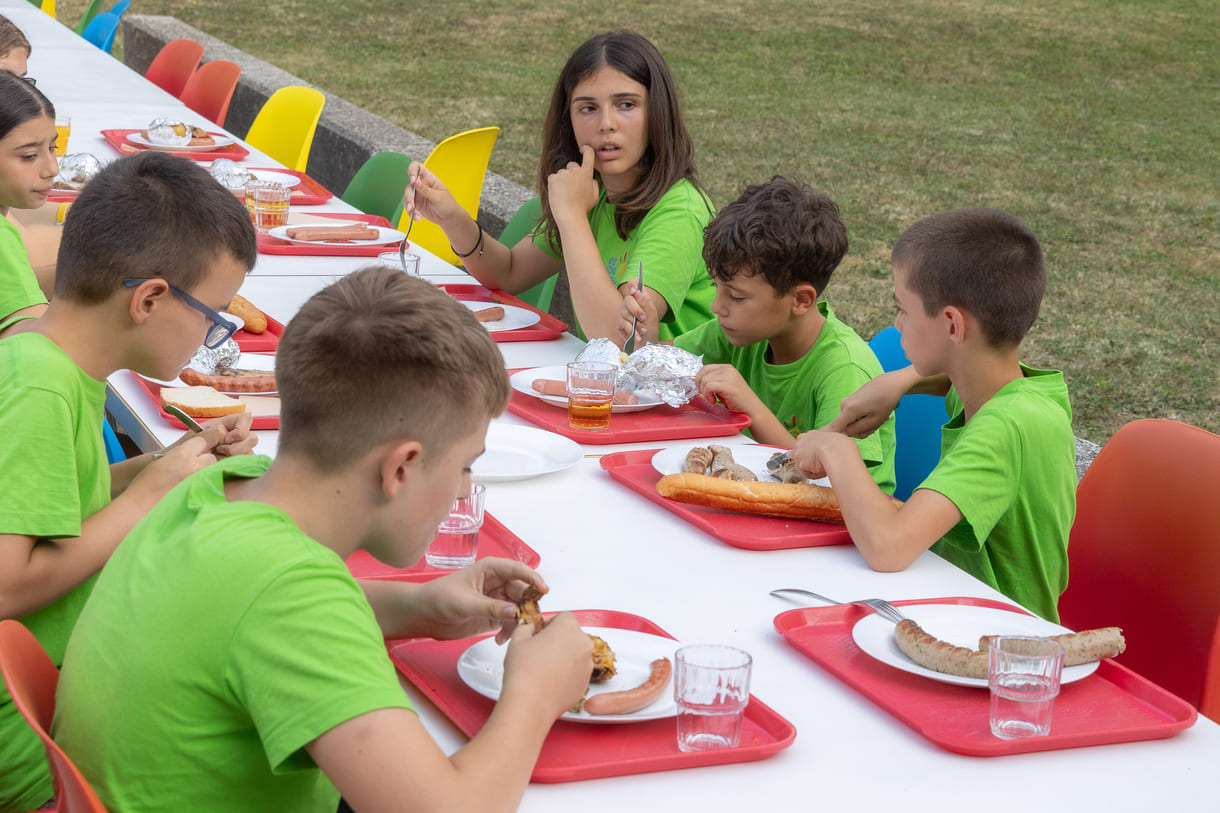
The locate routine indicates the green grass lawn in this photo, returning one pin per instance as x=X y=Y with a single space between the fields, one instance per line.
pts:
x=1096 y=122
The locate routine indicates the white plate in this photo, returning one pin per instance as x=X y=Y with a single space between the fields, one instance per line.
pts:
x=246 y=361
x=520 y=452
x=753 y=456
x=281 y=178
x=523 y=381
x=481 y=667
x=235 y=319
x=221 y=141
x=961 y=625
x=384 y=235
x=514 y=318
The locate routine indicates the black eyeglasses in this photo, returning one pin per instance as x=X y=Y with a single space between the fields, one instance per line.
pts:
x=221 y=328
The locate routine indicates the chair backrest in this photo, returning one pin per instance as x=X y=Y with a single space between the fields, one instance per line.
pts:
x=48 y=6
x=378 y=186
x=31 y=678
x=101 y=30
x=174 y=64
x=114 y=449
x=917 y=421
x=284 y=128
x=91 y=11
x=1144 y=555
x=460 y=161
x=516 y=230
x=209 y=89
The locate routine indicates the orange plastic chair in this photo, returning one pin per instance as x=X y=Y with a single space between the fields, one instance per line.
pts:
x=31 y=678
x=460 y=161
x=174 y=64
x=284 y=128
x=1144 y=555
x=209 y=90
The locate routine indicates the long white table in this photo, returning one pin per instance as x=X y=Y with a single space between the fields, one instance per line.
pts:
x=849 y=754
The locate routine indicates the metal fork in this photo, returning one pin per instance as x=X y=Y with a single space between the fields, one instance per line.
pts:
x=629 y=345
x=402 y=247
x=878 y=605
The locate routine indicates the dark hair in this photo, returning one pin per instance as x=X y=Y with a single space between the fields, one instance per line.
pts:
x=19 y=102
x=781 y=230
x=670 y=155
x=380 y=356
x=149 y=215
x=985 y=261
x=12 y=37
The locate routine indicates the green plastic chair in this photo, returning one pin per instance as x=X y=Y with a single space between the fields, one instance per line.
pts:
x=285 y=127
x=378 y=186
x=518 y=228
x=91 y=11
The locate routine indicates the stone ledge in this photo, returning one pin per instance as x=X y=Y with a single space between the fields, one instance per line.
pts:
x=347 y=135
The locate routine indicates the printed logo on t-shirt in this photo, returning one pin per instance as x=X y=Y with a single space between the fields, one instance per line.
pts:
x=613 y=263
x=794 y=426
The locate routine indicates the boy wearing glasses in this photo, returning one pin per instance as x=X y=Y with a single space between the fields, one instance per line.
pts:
x=153 y=249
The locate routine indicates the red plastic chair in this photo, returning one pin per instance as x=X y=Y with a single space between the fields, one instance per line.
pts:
x=1144 y=555
x=31 y=678
x=210 y=89
x=174 y=64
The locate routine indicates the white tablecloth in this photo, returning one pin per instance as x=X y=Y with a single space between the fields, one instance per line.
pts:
x=604 y=547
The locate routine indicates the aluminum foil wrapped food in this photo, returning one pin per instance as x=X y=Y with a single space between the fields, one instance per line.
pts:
x=602 y=350
x=208 y=360
x=76 y=170
x=168 y=132
x=662 y=371
x=231 y=174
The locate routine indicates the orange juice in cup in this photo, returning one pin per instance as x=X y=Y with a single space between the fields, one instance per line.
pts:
x=590 y=393
x=63 y=128
x=267 y=202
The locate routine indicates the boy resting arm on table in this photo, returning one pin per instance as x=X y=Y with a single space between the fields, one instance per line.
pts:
x=165 y=223
x=773 y=351
x=999 y=504
x=261 y=679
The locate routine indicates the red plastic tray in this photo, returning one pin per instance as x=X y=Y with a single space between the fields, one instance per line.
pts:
x=271 y=245
x=634 y=470
x=153 y=390
x=264 y=342
x=118 y=139
x=574 y=751
x=698 y=419
x=547 y=328
x=307 y=193
x=1112 y=705
x=494 y=540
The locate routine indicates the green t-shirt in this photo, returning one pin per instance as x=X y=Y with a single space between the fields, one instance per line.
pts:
x=54 y=460
x=669 y=242
x=18 y=285
x=806 y=394
x=1011 y=471
x=219 y=641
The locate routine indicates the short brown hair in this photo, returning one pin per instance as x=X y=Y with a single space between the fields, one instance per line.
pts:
x=782 y=231
x=985 y=261
x=150 y=215
x=12 y=37
x=380 y=356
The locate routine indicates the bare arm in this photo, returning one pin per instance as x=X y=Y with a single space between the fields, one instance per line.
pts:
x=889 y=536
x=383 y=757
x=868 y=407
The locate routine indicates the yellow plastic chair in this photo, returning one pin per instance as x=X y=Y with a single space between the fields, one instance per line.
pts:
x=460 y=161
x=284 y=128
x=49 y=7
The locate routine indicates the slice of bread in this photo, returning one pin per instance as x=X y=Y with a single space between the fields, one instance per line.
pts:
x=201 y=402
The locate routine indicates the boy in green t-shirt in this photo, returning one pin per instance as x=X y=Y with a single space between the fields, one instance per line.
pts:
x=148 y=230
x=254 y=674
x=773 y=351
x=968 y=285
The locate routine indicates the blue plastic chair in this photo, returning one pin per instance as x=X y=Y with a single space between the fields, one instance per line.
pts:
x=917 y=421
x=114 y=449
x=101 y=31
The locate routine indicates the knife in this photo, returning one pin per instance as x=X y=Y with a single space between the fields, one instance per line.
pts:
x=190 y=422
x=629 y=346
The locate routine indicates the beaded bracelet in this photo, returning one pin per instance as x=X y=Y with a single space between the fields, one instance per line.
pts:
x=478 y=246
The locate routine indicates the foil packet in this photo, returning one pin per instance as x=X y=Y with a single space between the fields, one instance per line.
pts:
x=230 y=174
x=164 y=132
x=76 y=170
x=209 y=360
x=602 y=350
x=662 y=371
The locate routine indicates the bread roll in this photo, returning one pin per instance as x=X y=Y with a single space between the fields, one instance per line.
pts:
x=256 y=320
x=201 y=402
x=788 y=500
